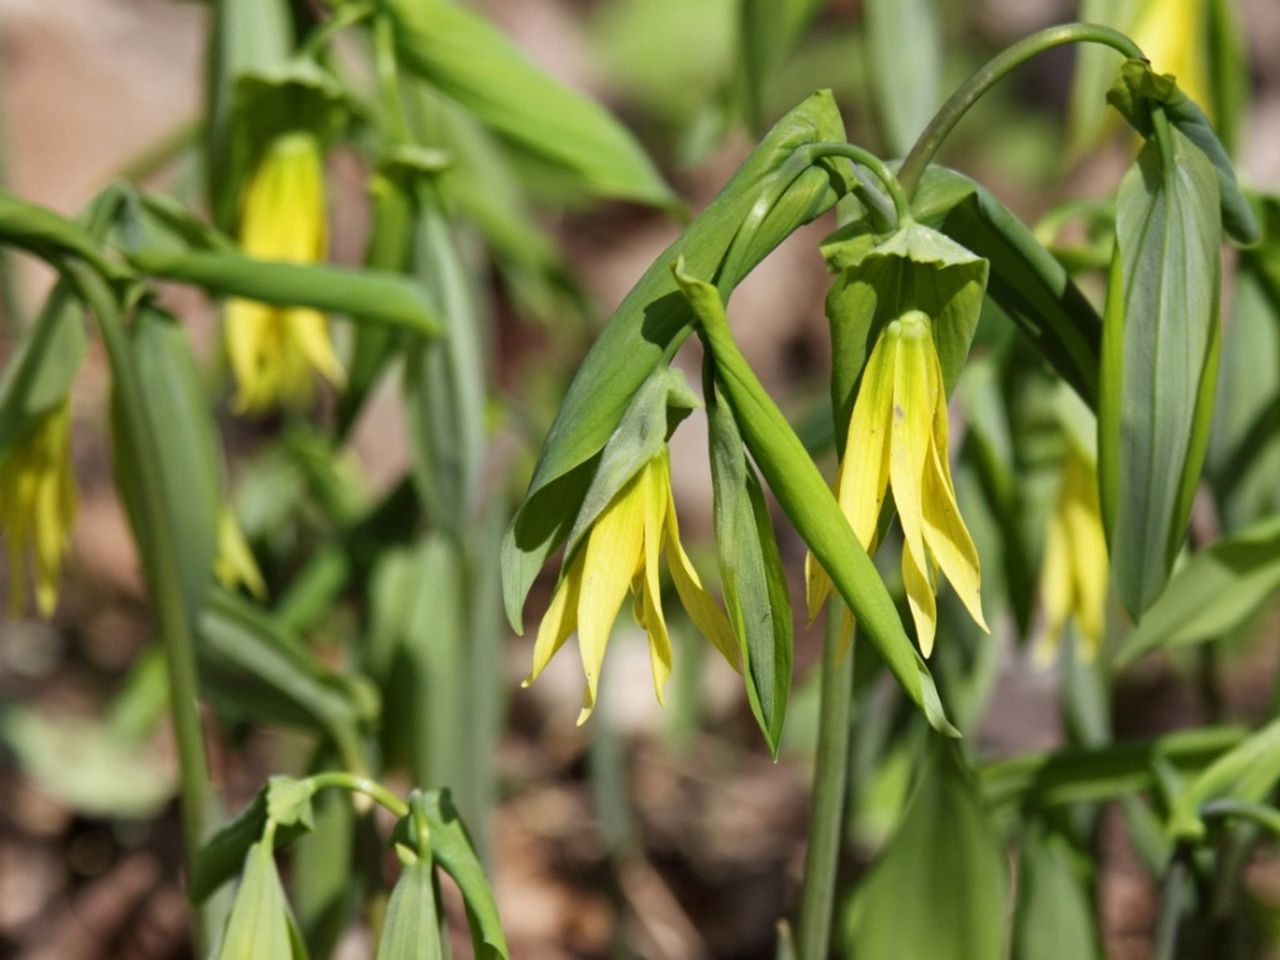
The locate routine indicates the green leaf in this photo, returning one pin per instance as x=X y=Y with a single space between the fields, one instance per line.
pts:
x=1054 y=919
x=258 y=928
x=221 y=856
x=180 y=420
x=1160 y=360
x=1025 y=282
x=454 y=853
x=444 y=383
x=473 y=63
x=324 y=898
x=1140 y=89
x=411 y=930
x=289 y=802
x=768 y=32
x=751 y=572
x=915 y=268
x=366 y=295
x=1213 y=593
x=809 y=503
x=650 y=324
x=904 y=51
x=946 y=864
x=1230 y=76
x=1246 y=774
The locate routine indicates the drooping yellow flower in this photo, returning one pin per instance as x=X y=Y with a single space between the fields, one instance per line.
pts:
x=275 y=351
x=1171 y=34
x=621 y=551
x=1074 y=577
x=234 y=565
x=38 y=507
x=898 y=439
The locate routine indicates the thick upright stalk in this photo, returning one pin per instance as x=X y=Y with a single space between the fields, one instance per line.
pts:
x=158 y=549
x=830 y=777
x=980 y=82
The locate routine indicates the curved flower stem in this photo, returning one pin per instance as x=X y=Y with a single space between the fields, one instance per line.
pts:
x=873 y=163
x=830 y=777
x=983 y=79
x=361 y=785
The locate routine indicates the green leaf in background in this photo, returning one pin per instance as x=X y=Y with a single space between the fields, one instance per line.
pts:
x=1246 y=774
x=904 y=50
x=751 y=573
x=259 y=925
x=1159 y=360
x=916 y=268
x=1243 y=462
x=1054 y=919
x=179 y=417
x=1213 y=593
x=473 y=63
x=939 y=890
x=767 y=33
x=444 y=382
x=366 y=295
x=1025 y=281
x=1139 y=90
x=411 y=930
x=650 y=324
x=1230 y=76
x=1095 y=71
x=321 y=890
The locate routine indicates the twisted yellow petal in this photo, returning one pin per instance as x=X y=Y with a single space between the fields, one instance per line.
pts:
x=234 y=565
x=1172 y=35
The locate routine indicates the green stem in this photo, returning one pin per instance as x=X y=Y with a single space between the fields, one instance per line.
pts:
x=362 y=785
x=980 y=82
x=158 y=548
x=1173 y=895
x=343 y=17
x=829 y=780
x=857 y=154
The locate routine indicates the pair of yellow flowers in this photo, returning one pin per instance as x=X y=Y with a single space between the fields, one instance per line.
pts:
x=897 y=440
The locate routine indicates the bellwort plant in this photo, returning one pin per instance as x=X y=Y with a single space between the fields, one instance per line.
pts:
x=1016 y=427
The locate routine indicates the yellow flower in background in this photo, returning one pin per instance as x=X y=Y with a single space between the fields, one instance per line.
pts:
x=1073 y=580
x=1171 y=34
x=38 y=507
x=275 y=351
x=898 y=439
x=621 y=551
x=234 y=565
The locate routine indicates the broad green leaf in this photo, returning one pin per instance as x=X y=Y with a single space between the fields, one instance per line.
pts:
x=904 y=52
x=650 y=324
x=181 y=422
x=221 y=856
x=939 y=890
x=1054 y=919
x=1138 y=90
x=767 y=33
x=470 y=61
x=1246 y=774
x=751 y=573
x=1081 y=775
x=1025 y=281
x=1213 y=593
x=809 y=504
x=258 y=928
x=444 y=379
x=252 y=668
x=45 y=234
x=411 y=931
x=1159 y=360
x=916 y=268
x=366 y=295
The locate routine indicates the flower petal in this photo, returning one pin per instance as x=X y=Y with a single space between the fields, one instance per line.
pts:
x=656 y=485
x=948 y=538
x=915 y=394
x=560 y=620
x=920 y=590
x=1056 y=588
x=1087 y=555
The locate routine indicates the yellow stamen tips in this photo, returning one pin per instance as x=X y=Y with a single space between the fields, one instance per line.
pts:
x=898 y=439
x=234 y=566
x=1073 y=580
x=275 y=351
x=620 y=552
x=1172 y=35
x=37 y=509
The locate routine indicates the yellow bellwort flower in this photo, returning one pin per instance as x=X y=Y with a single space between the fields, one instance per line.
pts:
x=898 y=439
x=1171 y=34
x=621 y=551
x=234 y=565
x=38 y=507
x=275 y=351
x=1075 y=574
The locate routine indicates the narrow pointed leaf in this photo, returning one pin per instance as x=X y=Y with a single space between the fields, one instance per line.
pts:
x=904 y=53
x=411 y=930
